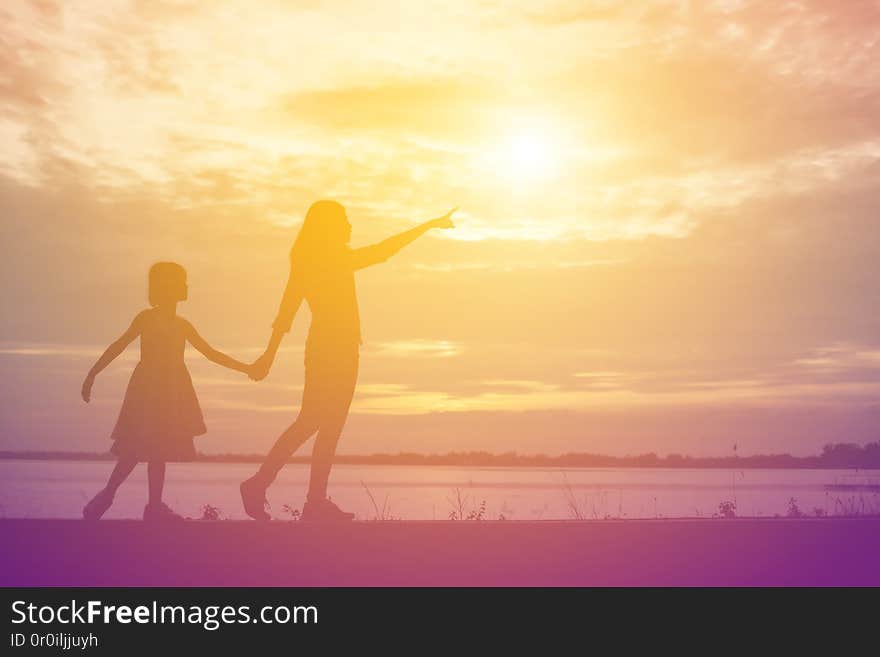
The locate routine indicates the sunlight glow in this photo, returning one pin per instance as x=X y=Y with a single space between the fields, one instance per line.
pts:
x=531 y=156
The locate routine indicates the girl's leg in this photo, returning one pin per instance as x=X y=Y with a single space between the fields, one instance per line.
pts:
x=155 y=509
x=121 y=470
x=99 y=504
x=156 y=479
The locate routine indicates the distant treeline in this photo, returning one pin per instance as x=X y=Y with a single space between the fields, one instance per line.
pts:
x=839 y=455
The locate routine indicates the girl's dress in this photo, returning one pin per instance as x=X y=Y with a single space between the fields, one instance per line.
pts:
x=160 y=414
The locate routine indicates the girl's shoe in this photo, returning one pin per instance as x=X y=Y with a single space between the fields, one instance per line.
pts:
x=160 y=513
x=253 y=497
x=98 y=505
x=324 y=511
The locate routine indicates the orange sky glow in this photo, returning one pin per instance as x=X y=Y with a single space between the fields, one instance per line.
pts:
x=668 y=237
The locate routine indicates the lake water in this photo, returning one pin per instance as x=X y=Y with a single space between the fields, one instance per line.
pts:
x=59 y=489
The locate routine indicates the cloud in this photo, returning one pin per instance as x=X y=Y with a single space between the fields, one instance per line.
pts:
x=511 y=266
x=666 y=113
x=426 y=109
x=418 y=348
x=549 y=398
x=840 y=358
x=567 y=13
x=50 y=351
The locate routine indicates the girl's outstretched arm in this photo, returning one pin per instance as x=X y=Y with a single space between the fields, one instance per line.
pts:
x=111 y=353
x=212 y=354
x=380 y=252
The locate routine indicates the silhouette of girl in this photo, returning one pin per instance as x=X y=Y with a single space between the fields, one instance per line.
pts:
x=322 y=270
x=160 y=414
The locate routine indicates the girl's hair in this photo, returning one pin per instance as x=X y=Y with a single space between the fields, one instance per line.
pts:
x=167 y=283
x=320 y=235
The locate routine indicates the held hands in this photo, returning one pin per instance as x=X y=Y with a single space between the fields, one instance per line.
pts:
x=86 y=391
x=446 y=220
x=259 y=369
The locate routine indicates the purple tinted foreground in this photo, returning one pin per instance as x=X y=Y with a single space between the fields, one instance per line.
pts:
x=742 y=552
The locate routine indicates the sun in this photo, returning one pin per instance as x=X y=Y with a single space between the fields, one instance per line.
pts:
x=530 y=154
x=524 y=153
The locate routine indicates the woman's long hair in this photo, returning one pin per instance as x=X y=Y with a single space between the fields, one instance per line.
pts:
x=320 y=239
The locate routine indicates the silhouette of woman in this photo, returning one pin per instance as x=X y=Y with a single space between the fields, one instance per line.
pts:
x=322 y=267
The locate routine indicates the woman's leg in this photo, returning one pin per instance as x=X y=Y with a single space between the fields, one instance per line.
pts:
x=286 y=444
x=253 y=490
x=336 y=403
x=156 y=480
x=306 y=424
x=322 y=458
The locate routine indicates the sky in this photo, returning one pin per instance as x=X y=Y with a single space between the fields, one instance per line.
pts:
x=668 y=238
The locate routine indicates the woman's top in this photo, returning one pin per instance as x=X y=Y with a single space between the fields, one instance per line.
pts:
x=328 y=286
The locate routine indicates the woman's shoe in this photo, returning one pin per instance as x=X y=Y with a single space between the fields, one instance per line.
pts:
x=160 y=513
x=324 y=511
x=253 y=497
x=98 y=505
